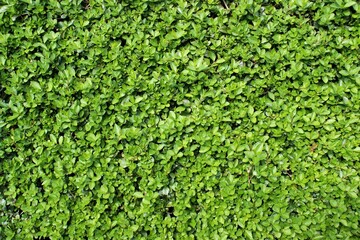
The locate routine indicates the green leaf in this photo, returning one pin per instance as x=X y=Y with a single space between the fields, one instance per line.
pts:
x=248 y=234
x=258 y=147
x=117 y=130
x=35 y=85
x=103 y=189
x=91 y=137
x=344 y=222
x=349 y=4
x=353 y=194
x=287 y=231
x=4 y=8
x=138 y=195
x=258 y=203
x=251 y=110
x=204 y=149
x=91 y=185
x=53 y=138
x=333 y=203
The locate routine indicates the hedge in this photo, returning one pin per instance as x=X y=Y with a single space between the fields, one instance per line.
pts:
x=176 y=119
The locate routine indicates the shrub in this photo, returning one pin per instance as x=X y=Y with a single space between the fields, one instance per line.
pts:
x=179 y=119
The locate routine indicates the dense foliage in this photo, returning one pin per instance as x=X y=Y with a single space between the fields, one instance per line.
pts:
x=179 y=119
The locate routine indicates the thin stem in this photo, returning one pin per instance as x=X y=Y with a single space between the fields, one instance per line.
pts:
x=226 y=6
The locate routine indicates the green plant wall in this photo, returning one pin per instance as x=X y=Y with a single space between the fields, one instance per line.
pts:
x=179 y=119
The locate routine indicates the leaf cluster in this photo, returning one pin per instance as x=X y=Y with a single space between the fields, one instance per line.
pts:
x=179 y=119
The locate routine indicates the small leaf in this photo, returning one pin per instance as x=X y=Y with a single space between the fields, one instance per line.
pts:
x=333 y=203
x=220 y=60
x=249 y=234
x=61 y=140
x=134 y=228
x=357 y=149
x=103 y=189
x=91 y=137
x=344 y=73
x=287 y=231
x=258 y=203
x=349 y=4
x=53 y=138
x=353 y=194
x=35 y=85
x=204 y=149
x=251 y=110
x=271 y=96
x=117 y=129
x=138 y=195
x=267 y=46
x=344 y=222
x=258 y=147
x=4 y=8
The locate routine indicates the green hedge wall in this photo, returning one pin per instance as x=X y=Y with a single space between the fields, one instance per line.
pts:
x=176 y=119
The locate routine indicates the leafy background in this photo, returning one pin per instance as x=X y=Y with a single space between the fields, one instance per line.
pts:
x=179 y=119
